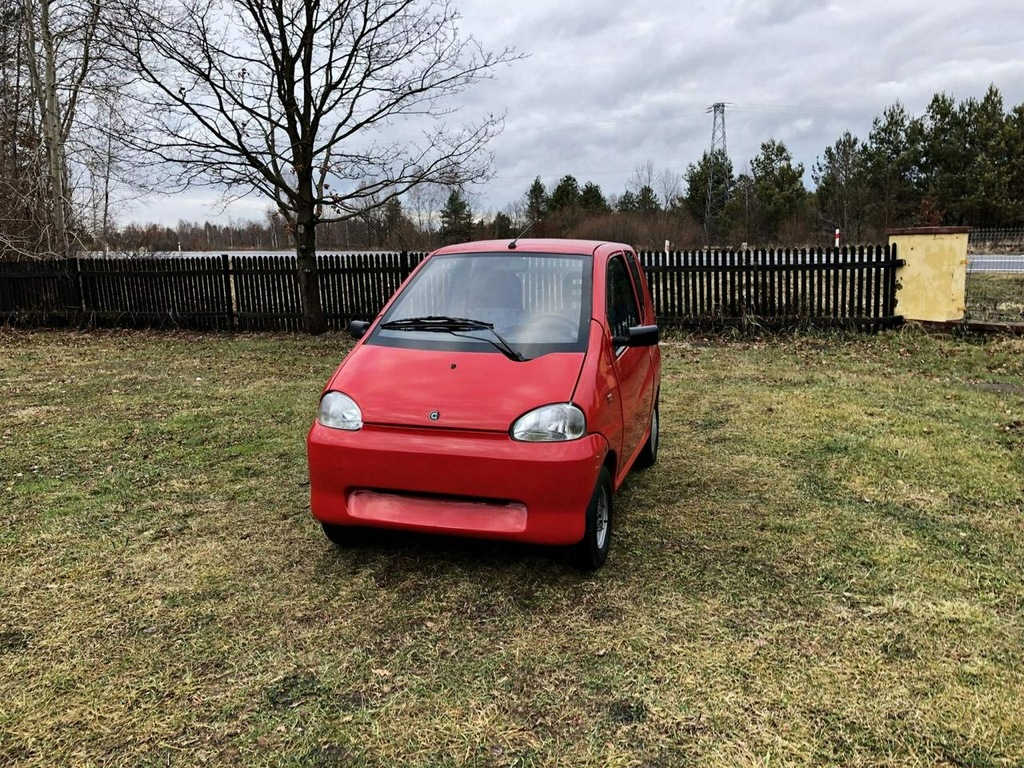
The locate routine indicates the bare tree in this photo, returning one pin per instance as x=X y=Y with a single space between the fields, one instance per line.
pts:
x=643 y=176
x=670 y=188
x=275 y=223
x=311 y=104
x=20 y=192
x=61 y=38
x=102 y=160
x=63 y=94
x=419 y=208
x=38 y=88
x=516 y=212
x=425 y=203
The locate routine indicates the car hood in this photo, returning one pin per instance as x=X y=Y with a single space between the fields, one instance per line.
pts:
x=467 y=390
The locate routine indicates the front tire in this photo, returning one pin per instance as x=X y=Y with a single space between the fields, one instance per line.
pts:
x=343 y=535
x=592 y=550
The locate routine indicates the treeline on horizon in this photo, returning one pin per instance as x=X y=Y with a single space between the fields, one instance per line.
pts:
x=959 y=163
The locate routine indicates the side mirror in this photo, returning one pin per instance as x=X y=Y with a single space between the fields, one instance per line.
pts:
x=638 y=336
x=357 y=328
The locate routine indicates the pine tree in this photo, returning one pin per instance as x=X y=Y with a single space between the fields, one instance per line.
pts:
x=536 y=202
x=841 y=185
x=718 y=167
x=986 y=192
x=565 y=196
x=778 y=186
x=1013 y=141
x=592 y=199
x=893 y=165
x=944 y=156
x=647 y=203
x=627 y=203
x=501 y=227
x=456 y=219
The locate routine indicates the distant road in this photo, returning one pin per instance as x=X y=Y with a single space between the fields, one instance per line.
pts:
x=991 y=262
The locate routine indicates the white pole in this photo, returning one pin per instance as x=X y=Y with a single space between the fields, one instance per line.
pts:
x=837 y=237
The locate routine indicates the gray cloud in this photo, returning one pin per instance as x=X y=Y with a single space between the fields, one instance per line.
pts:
x=754 y=14
x=601 y=99
x=608 y=85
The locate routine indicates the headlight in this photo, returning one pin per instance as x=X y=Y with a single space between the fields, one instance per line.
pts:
x=339 y=411
x=550 y=423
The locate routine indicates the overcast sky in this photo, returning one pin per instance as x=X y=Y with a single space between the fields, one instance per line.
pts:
x=608 y=85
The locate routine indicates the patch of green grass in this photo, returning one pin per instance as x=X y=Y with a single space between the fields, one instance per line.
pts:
x=824 y=568
x=995 y=297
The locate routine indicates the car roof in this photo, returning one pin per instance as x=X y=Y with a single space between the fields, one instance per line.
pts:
x=535 y=245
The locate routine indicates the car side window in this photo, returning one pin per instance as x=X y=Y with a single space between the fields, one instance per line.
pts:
x=623 y=311
x=634 y=270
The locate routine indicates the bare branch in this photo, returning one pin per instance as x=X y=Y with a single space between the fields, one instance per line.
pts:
x=311 y=104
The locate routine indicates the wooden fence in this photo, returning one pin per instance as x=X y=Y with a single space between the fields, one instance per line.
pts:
x=850 y=286
x=774 y=288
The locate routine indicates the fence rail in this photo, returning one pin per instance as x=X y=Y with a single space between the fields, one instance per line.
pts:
x=996 y=235
x=849 y=286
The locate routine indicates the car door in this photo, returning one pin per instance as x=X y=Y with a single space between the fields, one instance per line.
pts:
x=632 y=365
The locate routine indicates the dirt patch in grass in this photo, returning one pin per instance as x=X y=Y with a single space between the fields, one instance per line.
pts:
x=824 y=568
x=1002 y=387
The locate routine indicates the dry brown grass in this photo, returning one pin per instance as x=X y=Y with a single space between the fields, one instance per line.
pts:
x=825 y=568
x=995 y=297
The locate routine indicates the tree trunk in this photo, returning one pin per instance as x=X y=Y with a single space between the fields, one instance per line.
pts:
x=313 y=320
x=43 y=75
x=51 y=131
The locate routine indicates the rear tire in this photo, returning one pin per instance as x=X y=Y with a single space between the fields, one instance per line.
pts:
x=649 y=453
x=591 y=551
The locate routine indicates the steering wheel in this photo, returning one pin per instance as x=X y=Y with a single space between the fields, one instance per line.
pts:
x=559 y=324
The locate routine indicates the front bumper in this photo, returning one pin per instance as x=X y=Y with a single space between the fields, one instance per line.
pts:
x=477 y=484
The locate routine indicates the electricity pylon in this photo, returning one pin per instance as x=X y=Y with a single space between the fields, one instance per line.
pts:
x=714 y=203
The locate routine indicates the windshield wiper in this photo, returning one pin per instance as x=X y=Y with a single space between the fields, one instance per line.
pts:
x=457 y=326
x=434 y=323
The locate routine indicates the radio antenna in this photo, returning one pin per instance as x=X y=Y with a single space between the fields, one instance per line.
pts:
x=512 y=245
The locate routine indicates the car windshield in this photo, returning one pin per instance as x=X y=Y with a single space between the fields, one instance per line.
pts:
x=522 y=304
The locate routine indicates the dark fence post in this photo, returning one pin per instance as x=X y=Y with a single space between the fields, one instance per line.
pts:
x=77 y=292
x=890 y=283
x=230 y=309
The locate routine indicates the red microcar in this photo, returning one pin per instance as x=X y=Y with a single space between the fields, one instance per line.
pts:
x=504 y=392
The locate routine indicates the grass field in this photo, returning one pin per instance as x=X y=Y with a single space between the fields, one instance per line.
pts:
x=995 y=297
x=826 y=567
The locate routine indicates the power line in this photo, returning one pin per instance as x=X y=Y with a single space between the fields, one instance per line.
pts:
x=815 y=110
x=657 y=119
